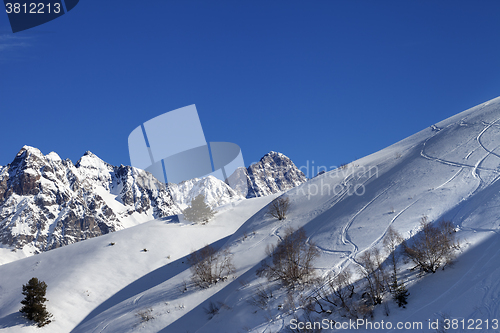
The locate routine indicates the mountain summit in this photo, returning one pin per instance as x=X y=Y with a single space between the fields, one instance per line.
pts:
x=47 y=202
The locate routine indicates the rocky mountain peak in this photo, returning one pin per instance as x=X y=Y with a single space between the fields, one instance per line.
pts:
x=274 y=172
x=46 y=202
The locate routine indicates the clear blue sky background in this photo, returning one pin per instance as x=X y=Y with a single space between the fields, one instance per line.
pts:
x=328 y=81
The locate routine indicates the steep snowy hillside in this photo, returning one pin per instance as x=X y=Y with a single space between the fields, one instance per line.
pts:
x=89 y=277
x=447 y=171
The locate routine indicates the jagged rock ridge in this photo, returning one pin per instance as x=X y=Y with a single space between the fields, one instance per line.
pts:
x=273 y=173
x=47 y=202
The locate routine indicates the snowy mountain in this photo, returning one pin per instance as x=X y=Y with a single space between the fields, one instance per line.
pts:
x=216 y=192
x=449 y=171
x=272 y=174
x=46 y=203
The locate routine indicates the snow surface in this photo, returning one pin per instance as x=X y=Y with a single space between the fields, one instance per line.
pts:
x=447 y=171
x=88 y=277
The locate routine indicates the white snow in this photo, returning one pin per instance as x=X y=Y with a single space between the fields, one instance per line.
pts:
x=451 y=173
x=53 y=156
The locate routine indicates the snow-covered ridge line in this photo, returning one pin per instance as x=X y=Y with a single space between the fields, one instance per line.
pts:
x=451 y=174
x=47 y=202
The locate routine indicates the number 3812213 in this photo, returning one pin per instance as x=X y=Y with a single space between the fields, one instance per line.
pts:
x=33 y=8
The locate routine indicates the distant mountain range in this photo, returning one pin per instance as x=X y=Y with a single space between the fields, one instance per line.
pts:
x=47 y=202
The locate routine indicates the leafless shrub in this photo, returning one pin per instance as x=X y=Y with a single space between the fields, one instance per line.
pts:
x=261 y=296
x=397 y=287
x=279 y=208
x=145 y=315
x=332 y=292
x=210 y=266
x=212 y=309
x=270 y=250
x=289 y=304
x=183 y=287
x=374 y=275
x=433 y=247
x=364 y=310
x=292 y=259
x=391 y=242
x=343 y=289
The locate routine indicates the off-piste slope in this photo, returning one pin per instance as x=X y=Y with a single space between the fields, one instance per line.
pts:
x=447 y=171
x=89 y=277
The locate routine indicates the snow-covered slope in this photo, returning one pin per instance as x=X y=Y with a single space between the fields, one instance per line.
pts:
x=215 y=191
x=95 y=275
x=447 y=171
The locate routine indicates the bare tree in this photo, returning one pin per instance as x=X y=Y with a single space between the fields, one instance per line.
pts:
x=335 y=291
x=261 y=296
x=433 y=246
x=210 y=266
x=292 y=259
x=279 y=208
x=374 y=274
x=391 y=242
x=211 y=310
x=397 y=287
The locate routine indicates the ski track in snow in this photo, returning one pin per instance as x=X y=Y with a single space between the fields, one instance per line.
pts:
x=451 y=179
x=336 y=199
x=482 y=132
x=103 y=329
x=475 y=168
x=372 y=245
x=453 y=163
x=488 y=152
x=344 y=235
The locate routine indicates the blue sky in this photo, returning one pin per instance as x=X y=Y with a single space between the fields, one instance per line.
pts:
x=324 y=81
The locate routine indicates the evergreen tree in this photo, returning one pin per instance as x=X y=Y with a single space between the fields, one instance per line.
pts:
x=199 y=210
x=33 y=302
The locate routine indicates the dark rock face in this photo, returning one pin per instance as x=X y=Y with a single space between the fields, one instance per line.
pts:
x=273 y=173
x=46 y=202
